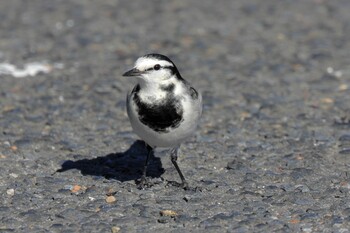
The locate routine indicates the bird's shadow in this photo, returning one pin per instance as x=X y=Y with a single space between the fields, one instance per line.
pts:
x=122 y=166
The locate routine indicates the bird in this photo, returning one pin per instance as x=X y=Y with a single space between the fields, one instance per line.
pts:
x=163 y=108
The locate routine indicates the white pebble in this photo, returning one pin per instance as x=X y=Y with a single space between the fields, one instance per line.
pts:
x=10 y=192
x=14 y=175
x=330 y=70
x=338 y=74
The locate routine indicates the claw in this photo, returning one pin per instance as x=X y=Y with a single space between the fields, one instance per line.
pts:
x=184 y=185
x=144 y=183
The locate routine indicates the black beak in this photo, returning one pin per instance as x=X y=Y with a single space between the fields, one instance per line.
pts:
x=132 y=72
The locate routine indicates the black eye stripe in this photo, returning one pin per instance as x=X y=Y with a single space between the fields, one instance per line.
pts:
x=162 y=67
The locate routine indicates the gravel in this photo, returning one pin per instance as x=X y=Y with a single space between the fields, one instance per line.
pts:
x=272 y=151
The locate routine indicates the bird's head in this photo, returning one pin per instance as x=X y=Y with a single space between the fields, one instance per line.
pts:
x=153 y=68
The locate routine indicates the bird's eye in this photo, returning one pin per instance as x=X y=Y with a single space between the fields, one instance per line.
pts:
x=156 y=67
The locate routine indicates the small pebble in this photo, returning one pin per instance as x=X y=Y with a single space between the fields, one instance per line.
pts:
x=170 y=213
x=294 y=221
x=343 y=87
x=307 y=229
x=111 y=192
x=10 y=192
x=110 y=199
x=76 y=188
x=13 y=175
x=8 y=108
x=338 y=74
x=330 y=70
x=115 y=229
x=327 y=100
x=244 y=115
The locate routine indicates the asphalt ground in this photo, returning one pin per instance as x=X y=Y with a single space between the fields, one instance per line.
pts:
x=272 y=150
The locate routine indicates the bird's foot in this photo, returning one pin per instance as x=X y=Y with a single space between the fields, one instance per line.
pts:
x=184 y=185
x=144 y=183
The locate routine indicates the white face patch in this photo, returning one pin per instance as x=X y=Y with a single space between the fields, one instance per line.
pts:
x=144 y=63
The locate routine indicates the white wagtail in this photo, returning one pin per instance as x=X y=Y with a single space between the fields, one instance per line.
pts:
x=163 y=108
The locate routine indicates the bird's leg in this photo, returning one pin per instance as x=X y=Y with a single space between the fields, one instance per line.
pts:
x=143 y=181
x=173 y=156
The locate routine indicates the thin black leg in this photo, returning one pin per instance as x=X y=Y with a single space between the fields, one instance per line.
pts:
x=173 y=156
x=143 y=177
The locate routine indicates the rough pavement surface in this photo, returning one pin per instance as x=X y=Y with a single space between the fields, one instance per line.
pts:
x=272 y=152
